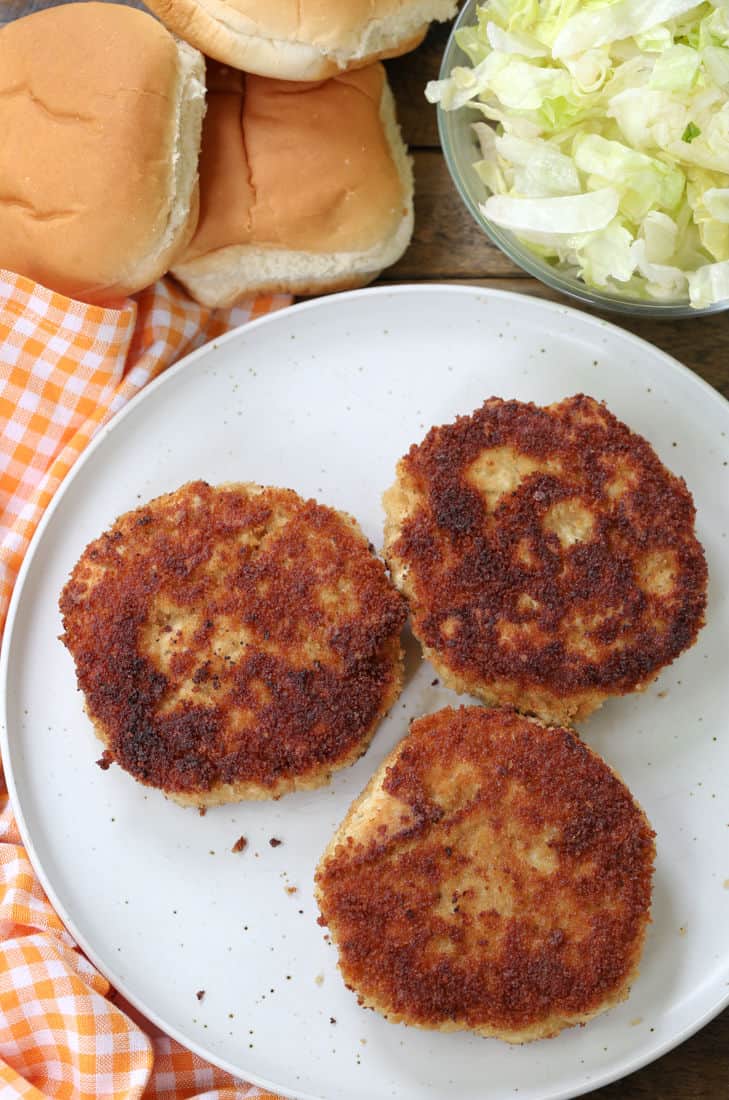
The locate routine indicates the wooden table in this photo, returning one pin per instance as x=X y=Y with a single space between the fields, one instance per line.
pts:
x=448 y=246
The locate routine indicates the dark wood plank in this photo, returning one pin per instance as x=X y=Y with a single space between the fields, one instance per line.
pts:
x=408 y=76
x=697 y=1070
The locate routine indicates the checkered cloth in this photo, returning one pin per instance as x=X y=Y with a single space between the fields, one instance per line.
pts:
x=65 y=369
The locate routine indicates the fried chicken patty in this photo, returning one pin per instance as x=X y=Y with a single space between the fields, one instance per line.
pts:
x=494 y=876
x=233 y=642
x=548 y=556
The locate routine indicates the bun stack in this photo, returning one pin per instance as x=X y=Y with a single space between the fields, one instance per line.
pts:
x=109 y=177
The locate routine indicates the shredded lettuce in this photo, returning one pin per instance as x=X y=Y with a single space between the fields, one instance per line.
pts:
x=604 y=144
x=558 y=218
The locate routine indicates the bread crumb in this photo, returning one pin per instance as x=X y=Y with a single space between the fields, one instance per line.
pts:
x=636 y=1021
x=275 y=842
x=202 y=810
x=292 y=889
x=200 y=994
x=682 y=930
x=239 y=845
x=319 y=979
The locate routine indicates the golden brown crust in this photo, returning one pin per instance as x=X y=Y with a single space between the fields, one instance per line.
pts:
x=495 y=876
x=233 y=642
x=548 y=555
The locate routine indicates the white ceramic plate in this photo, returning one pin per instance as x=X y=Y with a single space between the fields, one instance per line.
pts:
x=324 y=398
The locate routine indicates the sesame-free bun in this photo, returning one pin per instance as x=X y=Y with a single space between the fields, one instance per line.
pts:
x=302 y=39
x=100 y=115
x=304 y=188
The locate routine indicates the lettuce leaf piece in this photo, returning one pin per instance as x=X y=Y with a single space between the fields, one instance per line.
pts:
x=663 y=281
x=709 y=284
x=716 y=201
x=488 y=168
x=553 y=218
x=522 y=86
x=648 y=119
x=539 y=168
x=710 y=149
x=715 y=60
x=512 y=15
x=709 y=211
x=655 y=40
x=660 y=234
x=514 y=42
x=622 y=19
x=473 y=43
x=590 y=70
x=644 y=183
x=676 y=69
x=607 y=255
x=465 y=84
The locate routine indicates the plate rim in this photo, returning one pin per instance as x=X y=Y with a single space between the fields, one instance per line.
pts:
x=556 y=308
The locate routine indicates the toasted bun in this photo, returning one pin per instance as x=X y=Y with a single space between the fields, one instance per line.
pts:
x=302 y=40
x=100 y=116
x=305 y=188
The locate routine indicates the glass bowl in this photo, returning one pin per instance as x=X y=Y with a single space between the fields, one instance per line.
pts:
x=461 y=151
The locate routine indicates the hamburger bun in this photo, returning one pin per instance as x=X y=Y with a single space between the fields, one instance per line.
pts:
x=307 y=40
x=101 y=115
x=304 y=188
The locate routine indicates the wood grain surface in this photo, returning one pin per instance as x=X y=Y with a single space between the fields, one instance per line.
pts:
x=448 y=246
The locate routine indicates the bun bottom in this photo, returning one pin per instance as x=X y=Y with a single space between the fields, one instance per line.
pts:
x=224 y=277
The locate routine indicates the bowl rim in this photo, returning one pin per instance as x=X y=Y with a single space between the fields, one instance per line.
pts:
x=520 y=254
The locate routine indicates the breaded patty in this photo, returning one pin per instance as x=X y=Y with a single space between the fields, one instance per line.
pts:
x=494 y=876
x=548 y=556
x=233 y=642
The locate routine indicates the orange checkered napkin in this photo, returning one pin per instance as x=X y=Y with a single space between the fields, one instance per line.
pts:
x=65 y=369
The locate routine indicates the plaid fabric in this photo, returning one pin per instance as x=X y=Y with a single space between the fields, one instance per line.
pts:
x=65 y=369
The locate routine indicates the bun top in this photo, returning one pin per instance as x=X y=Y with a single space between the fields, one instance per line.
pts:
x=89 y=113
x=301 y=39
x=330 y=25
x=298 y=166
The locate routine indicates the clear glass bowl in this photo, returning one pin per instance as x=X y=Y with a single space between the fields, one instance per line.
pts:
x=461 y=151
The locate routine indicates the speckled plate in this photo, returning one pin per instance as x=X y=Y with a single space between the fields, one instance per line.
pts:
x=324 y=398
